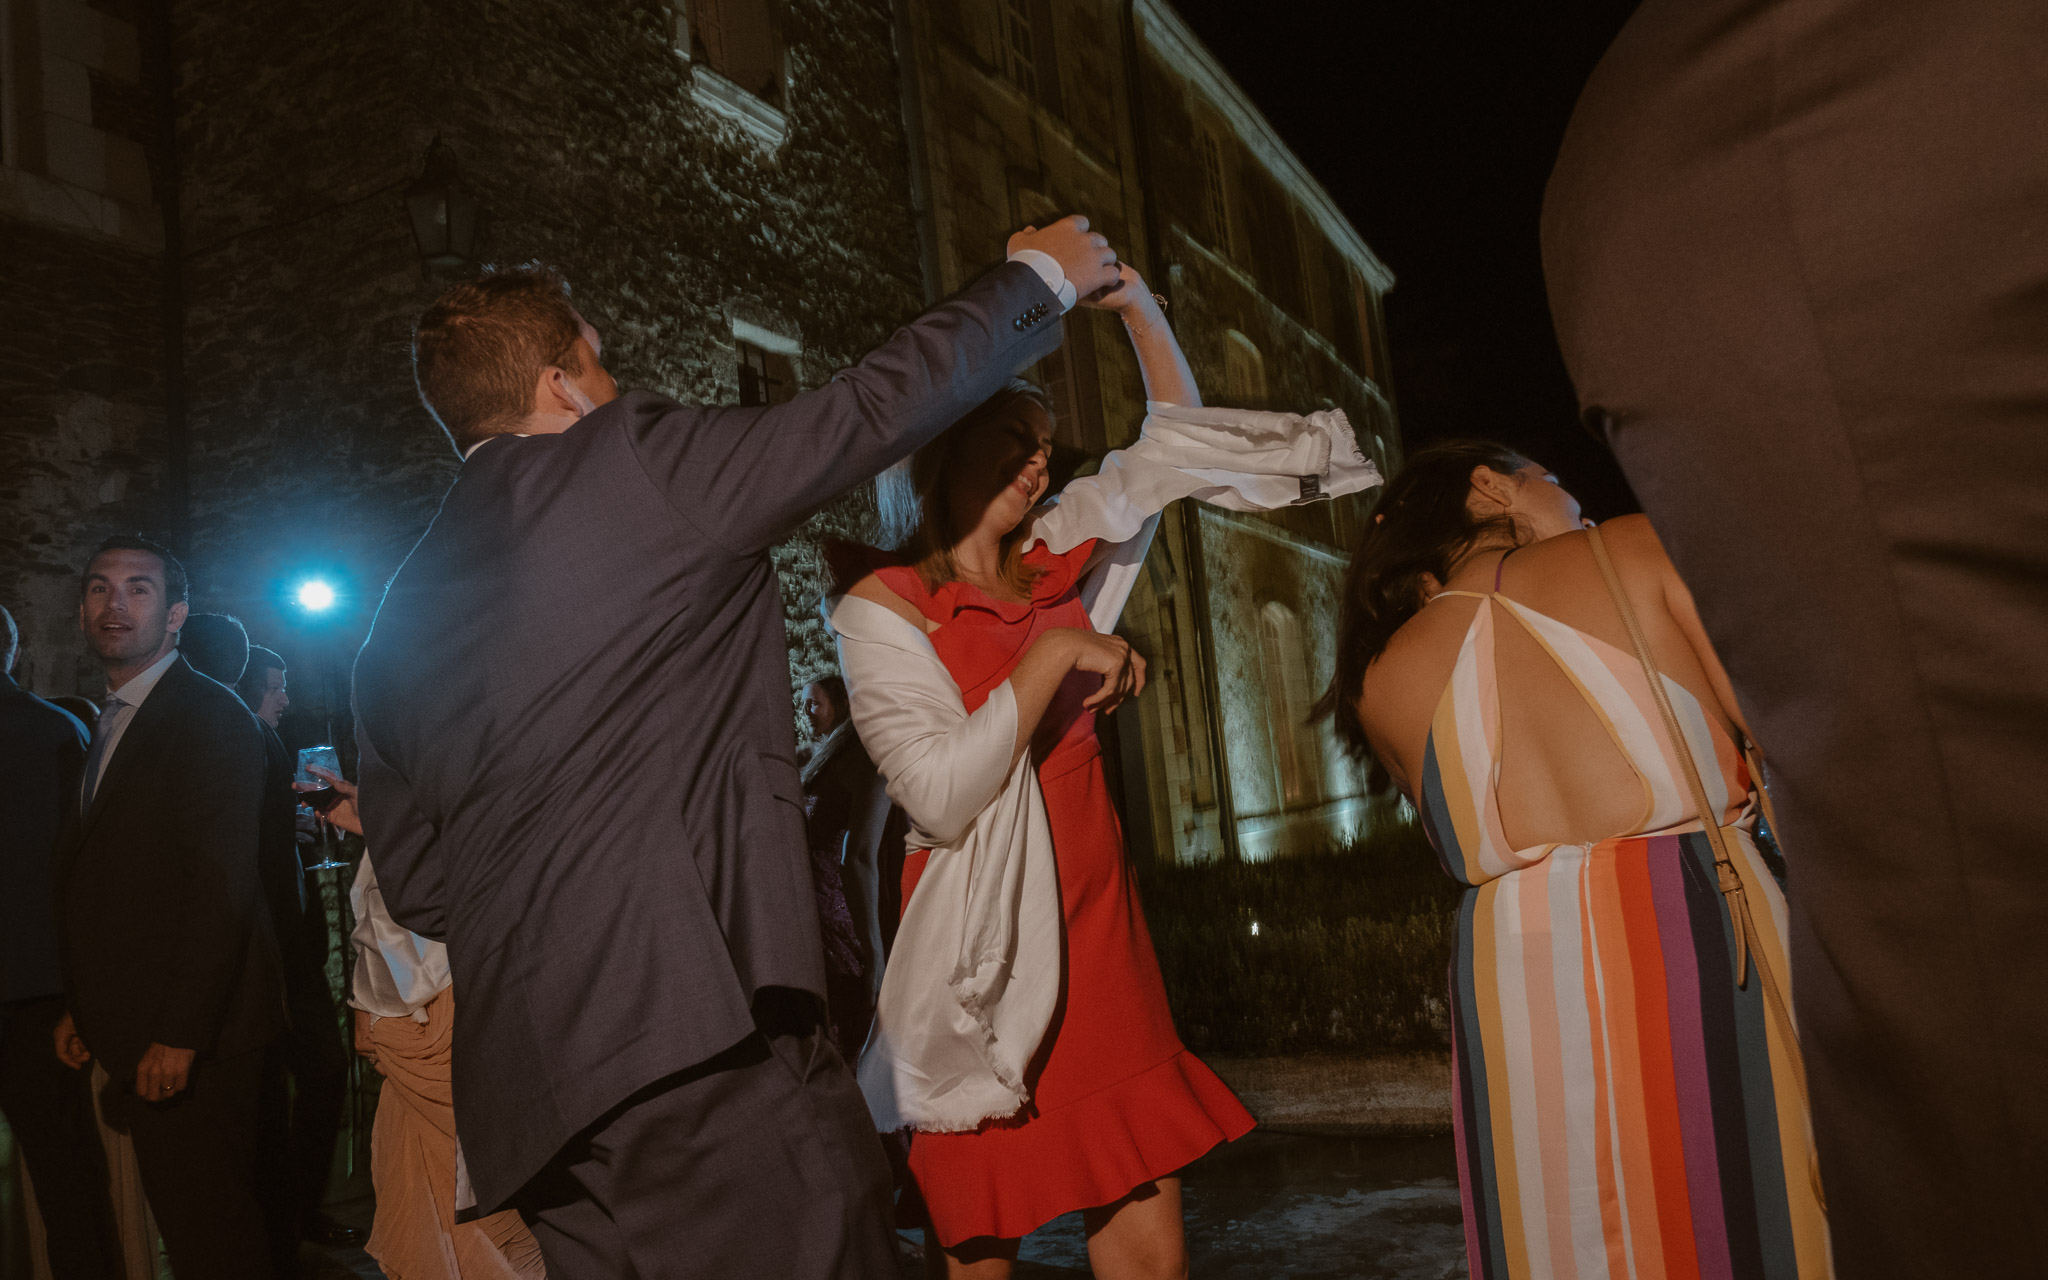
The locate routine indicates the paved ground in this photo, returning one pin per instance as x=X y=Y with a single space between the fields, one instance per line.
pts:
x=1407 y=1094
x=1348 y=1192
x=1270 y=1206
x=1276 y=1206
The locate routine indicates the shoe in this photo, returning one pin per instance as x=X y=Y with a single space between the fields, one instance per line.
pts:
x=322 y=1230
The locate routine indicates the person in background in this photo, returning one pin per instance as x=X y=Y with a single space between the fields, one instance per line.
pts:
x=262 y=685
x=845 y=809
x=171 y=974
x=1626 y=1065
x=85 y=710
x=216 y=645
x=47 y=1104
x=300 y=1123
x=404 y=1013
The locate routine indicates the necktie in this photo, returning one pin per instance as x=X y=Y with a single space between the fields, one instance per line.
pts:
x=98 y=755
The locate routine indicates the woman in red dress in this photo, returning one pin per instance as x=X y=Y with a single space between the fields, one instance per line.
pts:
x=1118 y=1105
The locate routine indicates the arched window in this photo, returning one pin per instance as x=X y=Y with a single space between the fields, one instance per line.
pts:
x=1244 y=371
x=1297 y=757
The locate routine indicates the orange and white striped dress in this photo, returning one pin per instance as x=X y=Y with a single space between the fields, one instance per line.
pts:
x=1624 y=1108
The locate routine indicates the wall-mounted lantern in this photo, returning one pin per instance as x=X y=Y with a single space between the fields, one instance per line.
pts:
x=443 y=211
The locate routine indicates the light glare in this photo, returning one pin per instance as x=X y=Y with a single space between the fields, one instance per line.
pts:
x=316 y=596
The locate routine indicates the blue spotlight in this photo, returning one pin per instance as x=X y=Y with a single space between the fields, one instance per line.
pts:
x=315 y=596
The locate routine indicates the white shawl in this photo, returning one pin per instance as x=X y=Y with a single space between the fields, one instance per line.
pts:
x=975 y=974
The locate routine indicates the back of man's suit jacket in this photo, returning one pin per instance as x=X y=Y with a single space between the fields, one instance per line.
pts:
x=42 y=749
x=575 y=724
x=164 y=935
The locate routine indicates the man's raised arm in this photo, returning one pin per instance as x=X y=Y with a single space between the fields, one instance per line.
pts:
x=746 y=477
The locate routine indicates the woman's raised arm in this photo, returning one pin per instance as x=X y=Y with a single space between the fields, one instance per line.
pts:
x=1167 y=376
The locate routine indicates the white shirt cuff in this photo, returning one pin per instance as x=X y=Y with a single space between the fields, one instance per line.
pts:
x=1050 y=271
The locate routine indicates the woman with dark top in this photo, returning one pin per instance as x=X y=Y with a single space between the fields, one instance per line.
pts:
x=1629 y=1095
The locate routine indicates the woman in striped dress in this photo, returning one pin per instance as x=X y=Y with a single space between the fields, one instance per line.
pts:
x=1630 y=1101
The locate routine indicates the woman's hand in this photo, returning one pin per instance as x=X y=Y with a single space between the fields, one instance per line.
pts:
x=365 y=1046
x=342 y=813
x=1121 y=667
x=71 y=1050
x=1128 y=293
x=1060 y=650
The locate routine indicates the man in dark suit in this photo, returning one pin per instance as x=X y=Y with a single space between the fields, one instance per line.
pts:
x=47 y=1104
x=299 y=1124
x=573 y=715
x=170 y=970
x=1798 y=257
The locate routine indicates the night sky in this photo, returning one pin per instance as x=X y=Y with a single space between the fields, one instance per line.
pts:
x=1433 y=124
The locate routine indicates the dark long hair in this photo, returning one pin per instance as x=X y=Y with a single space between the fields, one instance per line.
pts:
x=1423 y=525
x=912 y=495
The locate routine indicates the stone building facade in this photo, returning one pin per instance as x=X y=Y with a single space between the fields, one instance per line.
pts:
x=1021 y=109
x=212 y=268
x=83 y=430
x=235 y=378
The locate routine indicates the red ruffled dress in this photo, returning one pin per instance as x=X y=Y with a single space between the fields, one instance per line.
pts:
x=1117 y=1099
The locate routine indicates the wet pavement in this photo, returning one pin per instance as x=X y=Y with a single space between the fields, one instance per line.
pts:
x=1275 y=1206
x=1270 y=1206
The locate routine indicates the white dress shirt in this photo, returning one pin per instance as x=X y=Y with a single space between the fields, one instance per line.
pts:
x=1050 y=271
x=131 y=697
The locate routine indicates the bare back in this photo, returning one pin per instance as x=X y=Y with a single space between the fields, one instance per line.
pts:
x=1563 y=776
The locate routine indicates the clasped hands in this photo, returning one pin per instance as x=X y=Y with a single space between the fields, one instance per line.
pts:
x=1086 y=257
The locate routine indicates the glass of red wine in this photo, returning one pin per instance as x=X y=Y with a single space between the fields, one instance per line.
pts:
x=317 y=794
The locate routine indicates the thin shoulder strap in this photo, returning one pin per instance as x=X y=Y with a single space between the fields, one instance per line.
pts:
x=1728 y=870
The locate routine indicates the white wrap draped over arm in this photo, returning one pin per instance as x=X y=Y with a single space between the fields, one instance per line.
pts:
x=971 y=985
x=1237 y=459
x=970 y=989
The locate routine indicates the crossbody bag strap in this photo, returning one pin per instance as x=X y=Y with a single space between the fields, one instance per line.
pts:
x=1727 y=868
x=1755 y=760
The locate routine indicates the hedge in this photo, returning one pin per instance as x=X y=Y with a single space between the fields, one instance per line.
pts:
x=1350 y=952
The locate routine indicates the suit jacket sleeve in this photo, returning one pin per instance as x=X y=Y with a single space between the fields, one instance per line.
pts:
x=404 y=846
x=218 y=785
x=746 y=477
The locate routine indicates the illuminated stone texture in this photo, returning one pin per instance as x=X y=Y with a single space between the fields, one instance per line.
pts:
x=589 y=142
x=1029 y=108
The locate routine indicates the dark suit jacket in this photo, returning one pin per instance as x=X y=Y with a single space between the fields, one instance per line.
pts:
x=164 y=936
x=42 y=750
x=573 y=713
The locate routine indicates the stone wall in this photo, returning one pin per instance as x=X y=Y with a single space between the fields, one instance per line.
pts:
x=82 y=445
x=1277 y=307
x=81 y=417
x=1250 y=569
x=577 y=127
